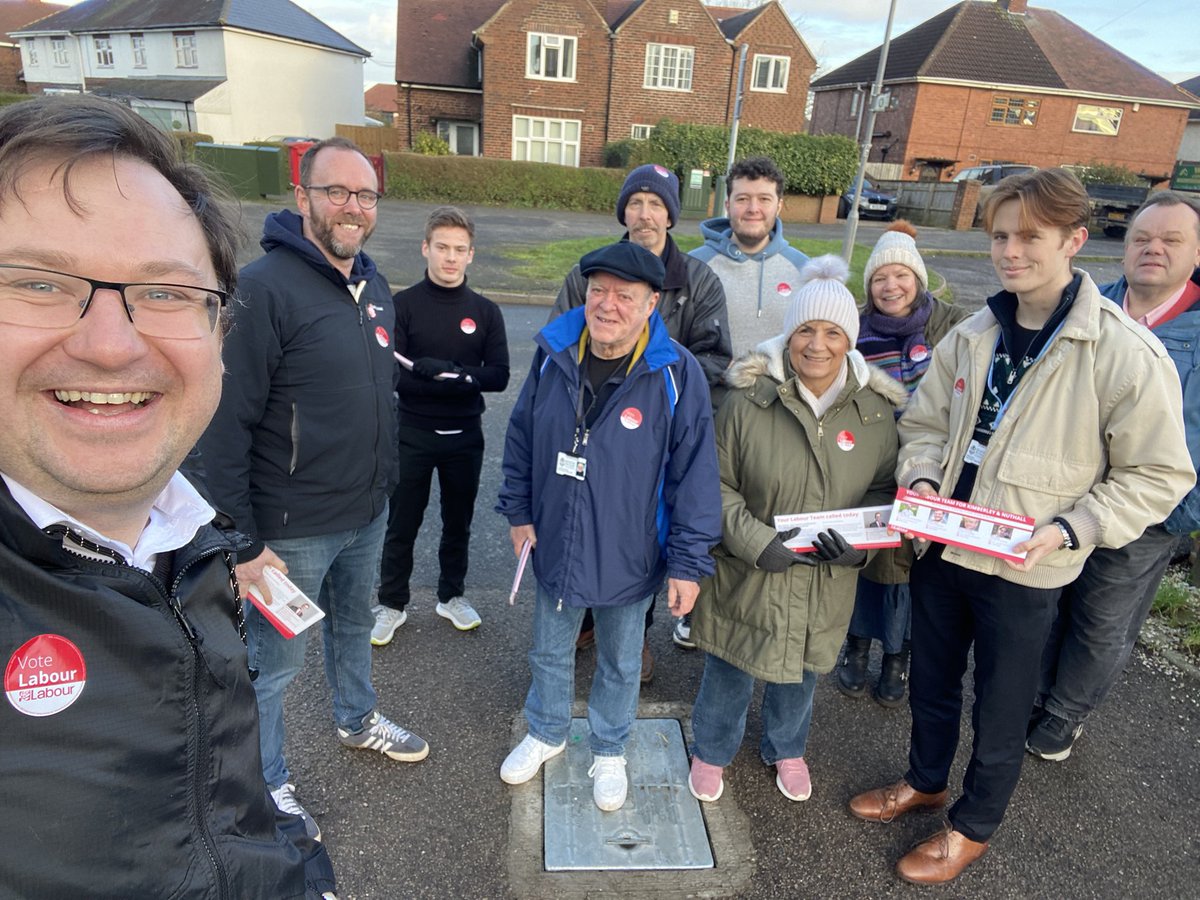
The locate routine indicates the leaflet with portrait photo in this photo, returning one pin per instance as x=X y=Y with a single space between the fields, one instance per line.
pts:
x=289 y=609
x=978 y=528
x=864 y=527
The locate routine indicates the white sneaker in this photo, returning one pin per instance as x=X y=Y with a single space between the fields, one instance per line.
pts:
x=526 y=758
x=285 y=799
x=609 y=784
x=387 y=620
x=459 y=612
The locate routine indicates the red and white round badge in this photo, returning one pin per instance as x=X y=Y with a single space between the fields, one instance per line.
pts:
x=845 y=440
x=381 y=335
x=45 y=675
x=919 y=353
x=631 y=417
x=783 y=289
x=468 y=326
x=959 y=387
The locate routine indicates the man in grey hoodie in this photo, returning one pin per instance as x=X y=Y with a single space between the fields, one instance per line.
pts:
x=758 y=268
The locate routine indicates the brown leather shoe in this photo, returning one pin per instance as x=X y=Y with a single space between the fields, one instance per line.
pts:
x=940 y=858
x=884 y=804
x=647 y=663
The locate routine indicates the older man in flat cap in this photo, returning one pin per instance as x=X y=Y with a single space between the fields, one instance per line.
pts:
x=619 y=481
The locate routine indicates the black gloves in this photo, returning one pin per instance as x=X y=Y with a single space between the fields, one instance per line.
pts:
x=428 y=367
x=776 y=557
x=833 y=549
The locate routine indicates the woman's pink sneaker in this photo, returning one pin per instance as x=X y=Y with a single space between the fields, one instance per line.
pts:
x=791 y=777
x=704 y=781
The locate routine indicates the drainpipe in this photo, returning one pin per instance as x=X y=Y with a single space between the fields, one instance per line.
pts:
x=79 y=50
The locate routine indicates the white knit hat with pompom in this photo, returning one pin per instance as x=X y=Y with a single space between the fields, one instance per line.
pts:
x=823 y=296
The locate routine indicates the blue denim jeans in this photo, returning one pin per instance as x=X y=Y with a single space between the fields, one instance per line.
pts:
x=612 y=704
x=1099 y=617
x=882 y=612
x=338 y=572
x=719 y=716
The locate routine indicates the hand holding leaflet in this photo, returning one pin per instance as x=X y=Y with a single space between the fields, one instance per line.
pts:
x=516 y=585
x=408 y=364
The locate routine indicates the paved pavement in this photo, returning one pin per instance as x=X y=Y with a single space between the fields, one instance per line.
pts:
x=1116 y=820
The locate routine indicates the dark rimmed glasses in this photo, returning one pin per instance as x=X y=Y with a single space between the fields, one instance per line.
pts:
x=340 y=196
x=41 y=298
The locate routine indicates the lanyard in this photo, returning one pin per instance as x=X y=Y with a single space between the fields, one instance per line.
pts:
x=1019 y=369
x=581 y=414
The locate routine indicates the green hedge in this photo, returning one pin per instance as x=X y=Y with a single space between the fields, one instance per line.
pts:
x=812 y=164
x=1096 y=172
x=7 y=99
x=187 y=141
x=501 y=182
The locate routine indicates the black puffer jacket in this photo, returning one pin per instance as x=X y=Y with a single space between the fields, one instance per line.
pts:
x=148 y=784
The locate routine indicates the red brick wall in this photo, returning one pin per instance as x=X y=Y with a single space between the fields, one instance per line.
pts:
x=507 y=92
x=10 y=68
x=771 y=33
x=419 y=110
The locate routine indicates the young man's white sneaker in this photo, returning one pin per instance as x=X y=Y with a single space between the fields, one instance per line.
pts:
x=285 y=799
x=609 y=784
x=459 y=612
x=387 y=620
x=526 y=758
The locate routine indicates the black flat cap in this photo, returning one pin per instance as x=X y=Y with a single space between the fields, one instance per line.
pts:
x=626 y=260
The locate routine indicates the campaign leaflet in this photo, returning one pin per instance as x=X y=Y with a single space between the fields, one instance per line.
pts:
x=289 y=610
x=978 y=528
x=864 y=527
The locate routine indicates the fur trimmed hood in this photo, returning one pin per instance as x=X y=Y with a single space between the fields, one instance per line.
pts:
x=767 y=360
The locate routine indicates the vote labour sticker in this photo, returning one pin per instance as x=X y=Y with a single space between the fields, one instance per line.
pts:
x=783 y=289
x=381 y=335
x=631 y=418
x=468 y=326
x=45 y=675
x=959 y=387
x=919 y=353
x=845 y=440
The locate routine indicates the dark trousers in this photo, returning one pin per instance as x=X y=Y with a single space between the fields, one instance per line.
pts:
x=458 y=460
x=953 y=609
x=1099 y=617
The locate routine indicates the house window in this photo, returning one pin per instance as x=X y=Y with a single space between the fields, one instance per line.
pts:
x=137 y=43
x=58 y=50
x=640 y=132
x=1097 y=119
x=1014 y=111
x=546 y=140
x=770 y=73
x=550 y=56
x=463 y=137
x=104 y=54
x=185 y=50
x=31 y=53
x=669 y=67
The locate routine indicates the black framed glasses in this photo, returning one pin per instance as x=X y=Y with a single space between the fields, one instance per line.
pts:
x=41 y=298
x=340 y=196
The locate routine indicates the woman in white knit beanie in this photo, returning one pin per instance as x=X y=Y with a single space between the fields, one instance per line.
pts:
x=806 y=427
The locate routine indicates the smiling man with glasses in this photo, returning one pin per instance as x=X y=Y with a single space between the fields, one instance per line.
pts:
x=129 y=733
x=302 y=451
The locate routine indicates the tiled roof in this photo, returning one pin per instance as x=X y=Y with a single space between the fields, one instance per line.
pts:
x=617 y=11
x=978 y=41
x=16 y=14
x=381 y=97
x=733 y=20
x=281 y=18
x=1192 y=86
x=434 y=40
x=182 y=90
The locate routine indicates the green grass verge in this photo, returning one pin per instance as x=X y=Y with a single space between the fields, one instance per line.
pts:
x=550 y=262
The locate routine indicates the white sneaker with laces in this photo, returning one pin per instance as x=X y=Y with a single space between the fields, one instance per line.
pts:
x=609 y=782
x=526 y=758
x=285 y=799
x=387 y=620
x=382 y=734
x=459 y=612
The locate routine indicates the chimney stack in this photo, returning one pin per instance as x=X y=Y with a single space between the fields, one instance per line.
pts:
x=1015 y=7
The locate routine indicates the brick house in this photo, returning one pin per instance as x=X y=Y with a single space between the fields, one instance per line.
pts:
x=1000 y=82
x=14 y=15
x=380 y=103
x=555 y=80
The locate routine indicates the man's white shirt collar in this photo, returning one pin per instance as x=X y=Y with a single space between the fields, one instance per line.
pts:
x=177 y=514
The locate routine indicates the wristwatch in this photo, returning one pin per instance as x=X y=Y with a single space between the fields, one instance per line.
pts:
x=1067 y=543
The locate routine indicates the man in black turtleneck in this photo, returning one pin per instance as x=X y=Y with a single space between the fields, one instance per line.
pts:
x=454 y=348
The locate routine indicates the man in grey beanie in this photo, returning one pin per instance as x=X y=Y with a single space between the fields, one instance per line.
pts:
x=692 y=301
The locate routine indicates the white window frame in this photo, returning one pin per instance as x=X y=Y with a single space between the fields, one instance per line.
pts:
x=1093 y=116
x=775 y=65
x=640 y=132
x=58 y=51
x=669 y=67
x=447 y=130
x=137 y=46
x=536 y=61
x=522 y=147
x=186 y=56
x=102 y=45
x=31 y=51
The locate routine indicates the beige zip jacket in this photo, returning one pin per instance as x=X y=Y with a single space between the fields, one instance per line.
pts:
x=1094 y=433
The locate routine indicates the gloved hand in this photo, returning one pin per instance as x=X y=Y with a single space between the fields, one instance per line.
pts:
x=777 y=558
x=833 y=549
x=428 y=367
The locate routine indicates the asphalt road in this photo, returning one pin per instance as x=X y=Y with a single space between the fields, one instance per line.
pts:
x=1116 y=820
